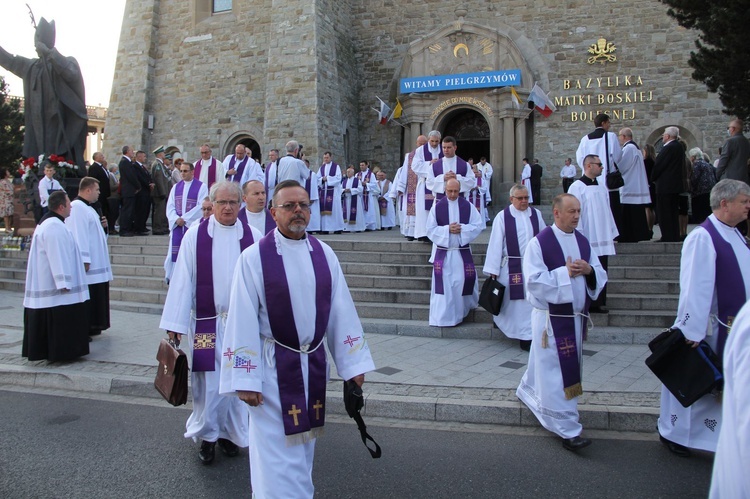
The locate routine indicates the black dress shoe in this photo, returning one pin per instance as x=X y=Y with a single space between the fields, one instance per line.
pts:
x=207 y=452
x=337 y=232
x=675 y=448
x=409 y=238
x=525 y=345
x=126 y=234
x=143 y=233
x=228 y=447
x=599 y=310
x=575 y=443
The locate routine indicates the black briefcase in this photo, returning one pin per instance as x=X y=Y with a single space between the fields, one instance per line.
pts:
x=491 y=297
x=688 y=373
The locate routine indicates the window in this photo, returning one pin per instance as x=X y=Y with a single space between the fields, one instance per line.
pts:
x=222 y=6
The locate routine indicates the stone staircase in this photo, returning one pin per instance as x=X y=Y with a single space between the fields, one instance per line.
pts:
x=389 y=279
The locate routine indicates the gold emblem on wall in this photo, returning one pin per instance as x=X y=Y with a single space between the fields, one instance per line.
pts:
x=602 y=51
x=458 y=47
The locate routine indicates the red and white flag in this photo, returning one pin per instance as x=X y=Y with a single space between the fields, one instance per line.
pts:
x=383 y=113
x=542 y=102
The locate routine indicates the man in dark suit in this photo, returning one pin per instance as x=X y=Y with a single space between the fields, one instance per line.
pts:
x=734 y=155
x=667 y=177
x=536 y=182
x=97 y=171
x=129 y=187
x=143 y=198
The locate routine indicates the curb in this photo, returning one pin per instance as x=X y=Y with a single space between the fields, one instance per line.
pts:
x=635 y=418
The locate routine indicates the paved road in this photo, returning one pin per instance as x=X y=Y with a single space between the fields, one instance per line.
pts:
x=58 y=446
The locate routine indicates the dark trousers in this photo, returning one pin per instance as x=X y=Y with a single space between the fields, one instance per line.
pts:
x=616 y=208
x=159 y=221
x=567 y=182
x=114 y=211
x=667 y=209
x=127 y=215
x=536 y=192
x=601 y=300
x=142 y=210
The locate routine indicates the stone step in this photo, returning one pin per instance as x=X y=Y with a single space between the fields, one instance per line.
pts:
x=385 y=270
x=139 y=282
x=636 y=318
x=639 y=302
x=141 y=308
x=645 y=260
x=644 y=287
x=151 y=296
x=13 y=274
x=409 y=296
x=10 y=284
x=138 y=260
x=388 y=282
x=616 y=272
x=121 y=270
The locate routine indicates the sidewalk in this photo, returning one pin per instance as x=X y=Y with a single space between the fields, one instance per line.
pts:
x=430 y=379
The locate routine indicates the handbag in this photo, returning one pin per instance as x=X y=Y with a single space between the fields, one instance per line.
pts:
x=354 y=401
x=172 y=373
x=614 y=178
x=491 y=297
x=688 y=373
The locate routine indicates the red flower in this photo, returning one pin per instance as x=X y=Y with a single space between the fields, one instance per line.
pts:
x=54 y=158
x=29 y=162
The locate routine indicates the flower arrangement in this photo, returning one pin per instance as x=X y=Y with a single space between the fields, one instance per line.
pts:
x=61 y=165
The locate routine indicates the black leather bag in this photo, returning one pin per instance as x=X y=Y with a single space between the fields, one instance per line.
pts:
x=614 y=179
x=354 y=401
x=172 y=373
x=491 y=297
x=688 y=373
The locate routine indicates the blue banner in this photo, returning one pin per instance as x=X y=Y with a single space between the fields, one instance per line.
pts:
x=441 y=83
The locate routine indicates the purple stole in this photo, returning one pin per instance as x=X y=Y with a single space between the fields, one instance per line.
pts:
x=428 y=197
x=462 y=168
x=365 y=195
x=382 y=201
x=204 y=340
x=325 y=194
x=211 y=171
x=192 y=202
x=470 y=274
x=561 y=315
x=476 y=197
x=301 y=412
x=237 y=177
x=411 y=188
x=352 y=219
x=515 y=272
x=270 y=222
x=730 y=288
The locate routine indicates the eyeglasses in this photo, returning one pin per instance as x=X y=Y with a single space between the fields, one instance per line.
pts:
x=597 y=164
x=293 y=206
x=521 y=198
x=229 y=203
x=185 y=171
x=210 y=208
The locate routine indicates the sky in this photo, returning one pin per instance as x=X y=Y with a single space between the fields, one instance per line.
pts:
x=88 y=30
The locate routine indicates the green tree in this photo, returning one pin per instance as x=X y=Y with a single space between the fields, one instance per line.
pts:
x=722 y=58
x=11 y=128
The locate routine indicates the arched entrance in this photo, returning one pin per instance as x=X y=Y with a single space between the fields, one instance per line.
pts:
x=248 y=141
x=471 y=131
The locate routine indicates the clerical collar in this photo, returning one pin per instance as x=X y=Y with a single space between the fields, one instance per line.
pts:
x=291 y=239
x=588 y=181
x=79 y=198
x=51 y=214
x=558 y=229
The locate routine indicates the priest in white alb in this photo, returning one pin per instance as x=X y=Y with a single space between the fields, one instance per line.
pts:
x=183 y=208
x=240 y=167
x=55 y=318
x=289 y=296
x=311 y=186
x=208 y=169
x=450 y=166
x=562 y=275
x=386 y=208
x=406 y=185
x=351 y=203
x=424 y=157
x=634 y=195
x=512 y=230
x=370 y=195
x=526 y=177
x=196 y=310
x=255 y=212
x=452 y=224
x=329 y=195
x=730 y=477
x=89 y=230
x=478 y=194
x=714 y=285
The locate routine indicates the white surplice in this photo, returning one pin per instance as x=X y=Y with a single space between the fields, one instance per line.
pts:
x=359 y=224
x=291 y=168
x=478 y=195
x=406 y=222
x=276 y=469
x=437 y=183
x=698 y=426
x=514 y=319
x=86 y=227
x=732 y=461
x=372 y=191
x=188 y=216
x=598 y=147
x=389 y=219
x=258 y=221
x=635 y=190
x=54 y=265
x=450 y=308
x=422 y=168
x=252 y=170
x=335 y=220
x=541 y=387
x=526 y=180
x=314 y=224
x=596 y=222
x=205 y=167
x=213 y=416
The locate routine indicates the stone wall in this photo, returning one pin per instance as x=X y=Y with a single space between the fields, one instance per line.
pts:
x=310 y=70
